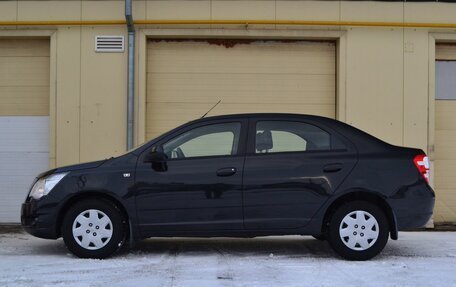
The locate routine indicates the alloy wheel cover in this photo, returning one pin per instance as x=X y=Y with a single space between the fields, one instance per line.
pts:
x=92 y=229
x=359 y=230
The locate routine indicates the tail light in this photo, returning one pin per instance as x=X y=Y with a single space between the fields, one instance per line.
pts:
x=421 y=162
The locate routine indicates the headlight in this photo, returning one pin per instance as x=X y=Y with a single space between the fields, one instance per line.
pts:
x=45 y=184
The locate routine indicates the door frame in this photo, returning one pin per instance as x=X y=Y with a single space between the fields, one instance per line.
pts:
x=434 y=39
x=51 y=35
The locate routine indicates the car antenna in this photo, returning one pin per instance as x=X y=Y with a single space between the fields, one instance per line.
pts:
x=211 y=108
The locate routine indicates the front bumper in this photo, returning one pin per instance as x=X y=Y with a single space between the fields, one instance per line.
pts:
x=39 y=219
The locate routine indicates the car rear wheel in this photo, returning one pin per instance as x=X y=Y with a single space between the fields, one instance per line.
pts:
x=358 y=230
x=94 y=229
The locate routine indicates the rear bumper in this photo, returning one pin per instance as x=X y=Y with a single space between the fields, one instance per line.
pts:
x=37 y=222
x=414 y=207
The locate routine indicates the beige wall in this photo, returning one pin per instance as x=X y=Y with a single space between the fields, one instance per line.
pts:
x=90 y=96
x=95 y=101
x=90 y=87
x=385 y=67
x=386 y=74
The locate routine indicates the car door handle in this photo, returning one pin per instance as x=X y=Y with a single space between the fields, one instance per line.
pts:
x=333 y=167
x=226 y=171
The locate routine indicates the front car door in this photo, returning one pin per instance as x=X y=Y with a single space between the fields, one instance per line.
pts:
x=200 y=187
x=291 y=168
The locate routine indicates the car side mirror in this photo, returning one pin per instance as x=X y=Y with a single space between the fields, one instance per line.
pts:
x=158 y=159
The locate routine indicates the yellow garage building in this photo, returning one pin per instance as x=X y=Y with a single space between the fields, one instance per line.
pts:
x=388 y=68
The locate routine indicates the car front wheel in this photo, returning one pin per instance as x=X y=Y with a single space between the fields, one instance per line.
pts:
x=358 y=230
x=94 y=229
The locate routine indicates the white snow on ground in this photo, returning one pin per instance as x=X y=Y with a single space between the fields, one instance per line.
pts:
x=416 y=259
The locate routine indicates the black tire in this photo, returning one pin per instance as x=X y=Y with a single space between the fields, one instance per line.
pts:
x=341 y=248
x=119 y=228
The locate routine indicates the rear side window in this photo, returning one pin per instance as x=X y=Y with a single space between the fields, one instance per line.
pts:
x=289 y=136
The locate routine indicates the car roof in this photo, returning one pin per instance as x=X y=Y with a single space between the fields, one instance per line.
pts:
x=264 y=115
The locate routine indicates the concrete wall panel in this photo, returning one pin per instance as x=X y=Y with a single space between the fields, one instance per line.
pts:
x=375 y=82
x=68 y=92
x=178 y=10
x=430 y=12
x=48 y=10
x=103 y=97
x=260 y=10
x=416 y=94
x=308 y=10
x=102 y=10
x=8 y=11
x=371 y=11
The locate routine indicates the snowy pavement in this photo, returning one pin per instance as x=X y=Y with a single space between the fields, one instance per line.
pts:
x=416 y=259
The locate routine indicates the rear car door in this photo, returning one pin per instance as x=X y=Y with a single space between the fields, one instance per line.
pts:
x=201 y=187
x=291 y=169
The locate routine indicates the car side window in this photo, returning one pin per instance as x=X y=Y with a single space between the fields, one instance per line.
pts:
x=289 y=136
x=210 y=140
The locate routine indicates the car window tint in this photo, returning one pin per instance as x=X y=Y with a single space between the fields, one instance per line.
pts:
x=288 y=136
x=210 y=140
x=286 y=141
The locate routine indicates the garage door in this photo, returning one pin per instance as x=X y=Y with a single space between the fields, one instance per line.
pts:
x=24 y=120
x=445 y=134
x=186 y=78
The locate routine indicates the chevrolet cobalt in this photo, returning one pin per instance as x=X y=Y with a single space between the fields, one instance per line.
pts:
x=239 y=176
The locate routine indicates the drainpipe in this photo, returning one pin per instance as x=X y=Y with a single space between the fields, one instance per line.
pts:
x=131 y=74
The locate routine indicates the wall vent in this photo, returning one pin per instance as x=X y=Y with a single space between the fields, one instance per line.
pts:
x=109 y=44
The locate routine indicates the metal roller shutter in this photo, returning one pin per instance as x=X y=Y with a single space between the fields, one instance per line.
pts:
x=24 y=120
x=186 y=78
x=445 y=134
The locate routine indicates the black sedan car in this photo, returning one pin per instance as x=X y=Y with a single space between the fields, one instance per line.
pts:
x=240 y=176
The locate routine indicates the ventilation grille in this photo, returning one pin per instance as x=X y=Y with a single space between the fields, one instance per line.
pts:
x=109 y=43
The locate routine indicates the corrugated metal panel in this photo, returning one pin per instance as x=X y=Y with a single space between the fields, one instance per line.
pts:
x=445 y=141
x=24 y=77
x=24 y=134
x=445 y=51
x=185 y=78
x=24 y=152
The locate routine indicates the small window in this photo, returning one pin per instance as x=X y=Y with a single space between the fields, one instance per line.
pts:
x=445 y=85
x=287 y=136
x=210 y=140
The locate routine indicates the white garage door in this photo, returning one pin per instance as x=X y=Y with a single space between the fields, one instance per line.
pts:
x=186 y=78
x=24 y=120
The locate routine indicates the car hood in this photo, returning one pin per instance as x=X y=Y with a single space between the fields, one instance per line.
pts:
x=79 y=166
x=86 y=165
